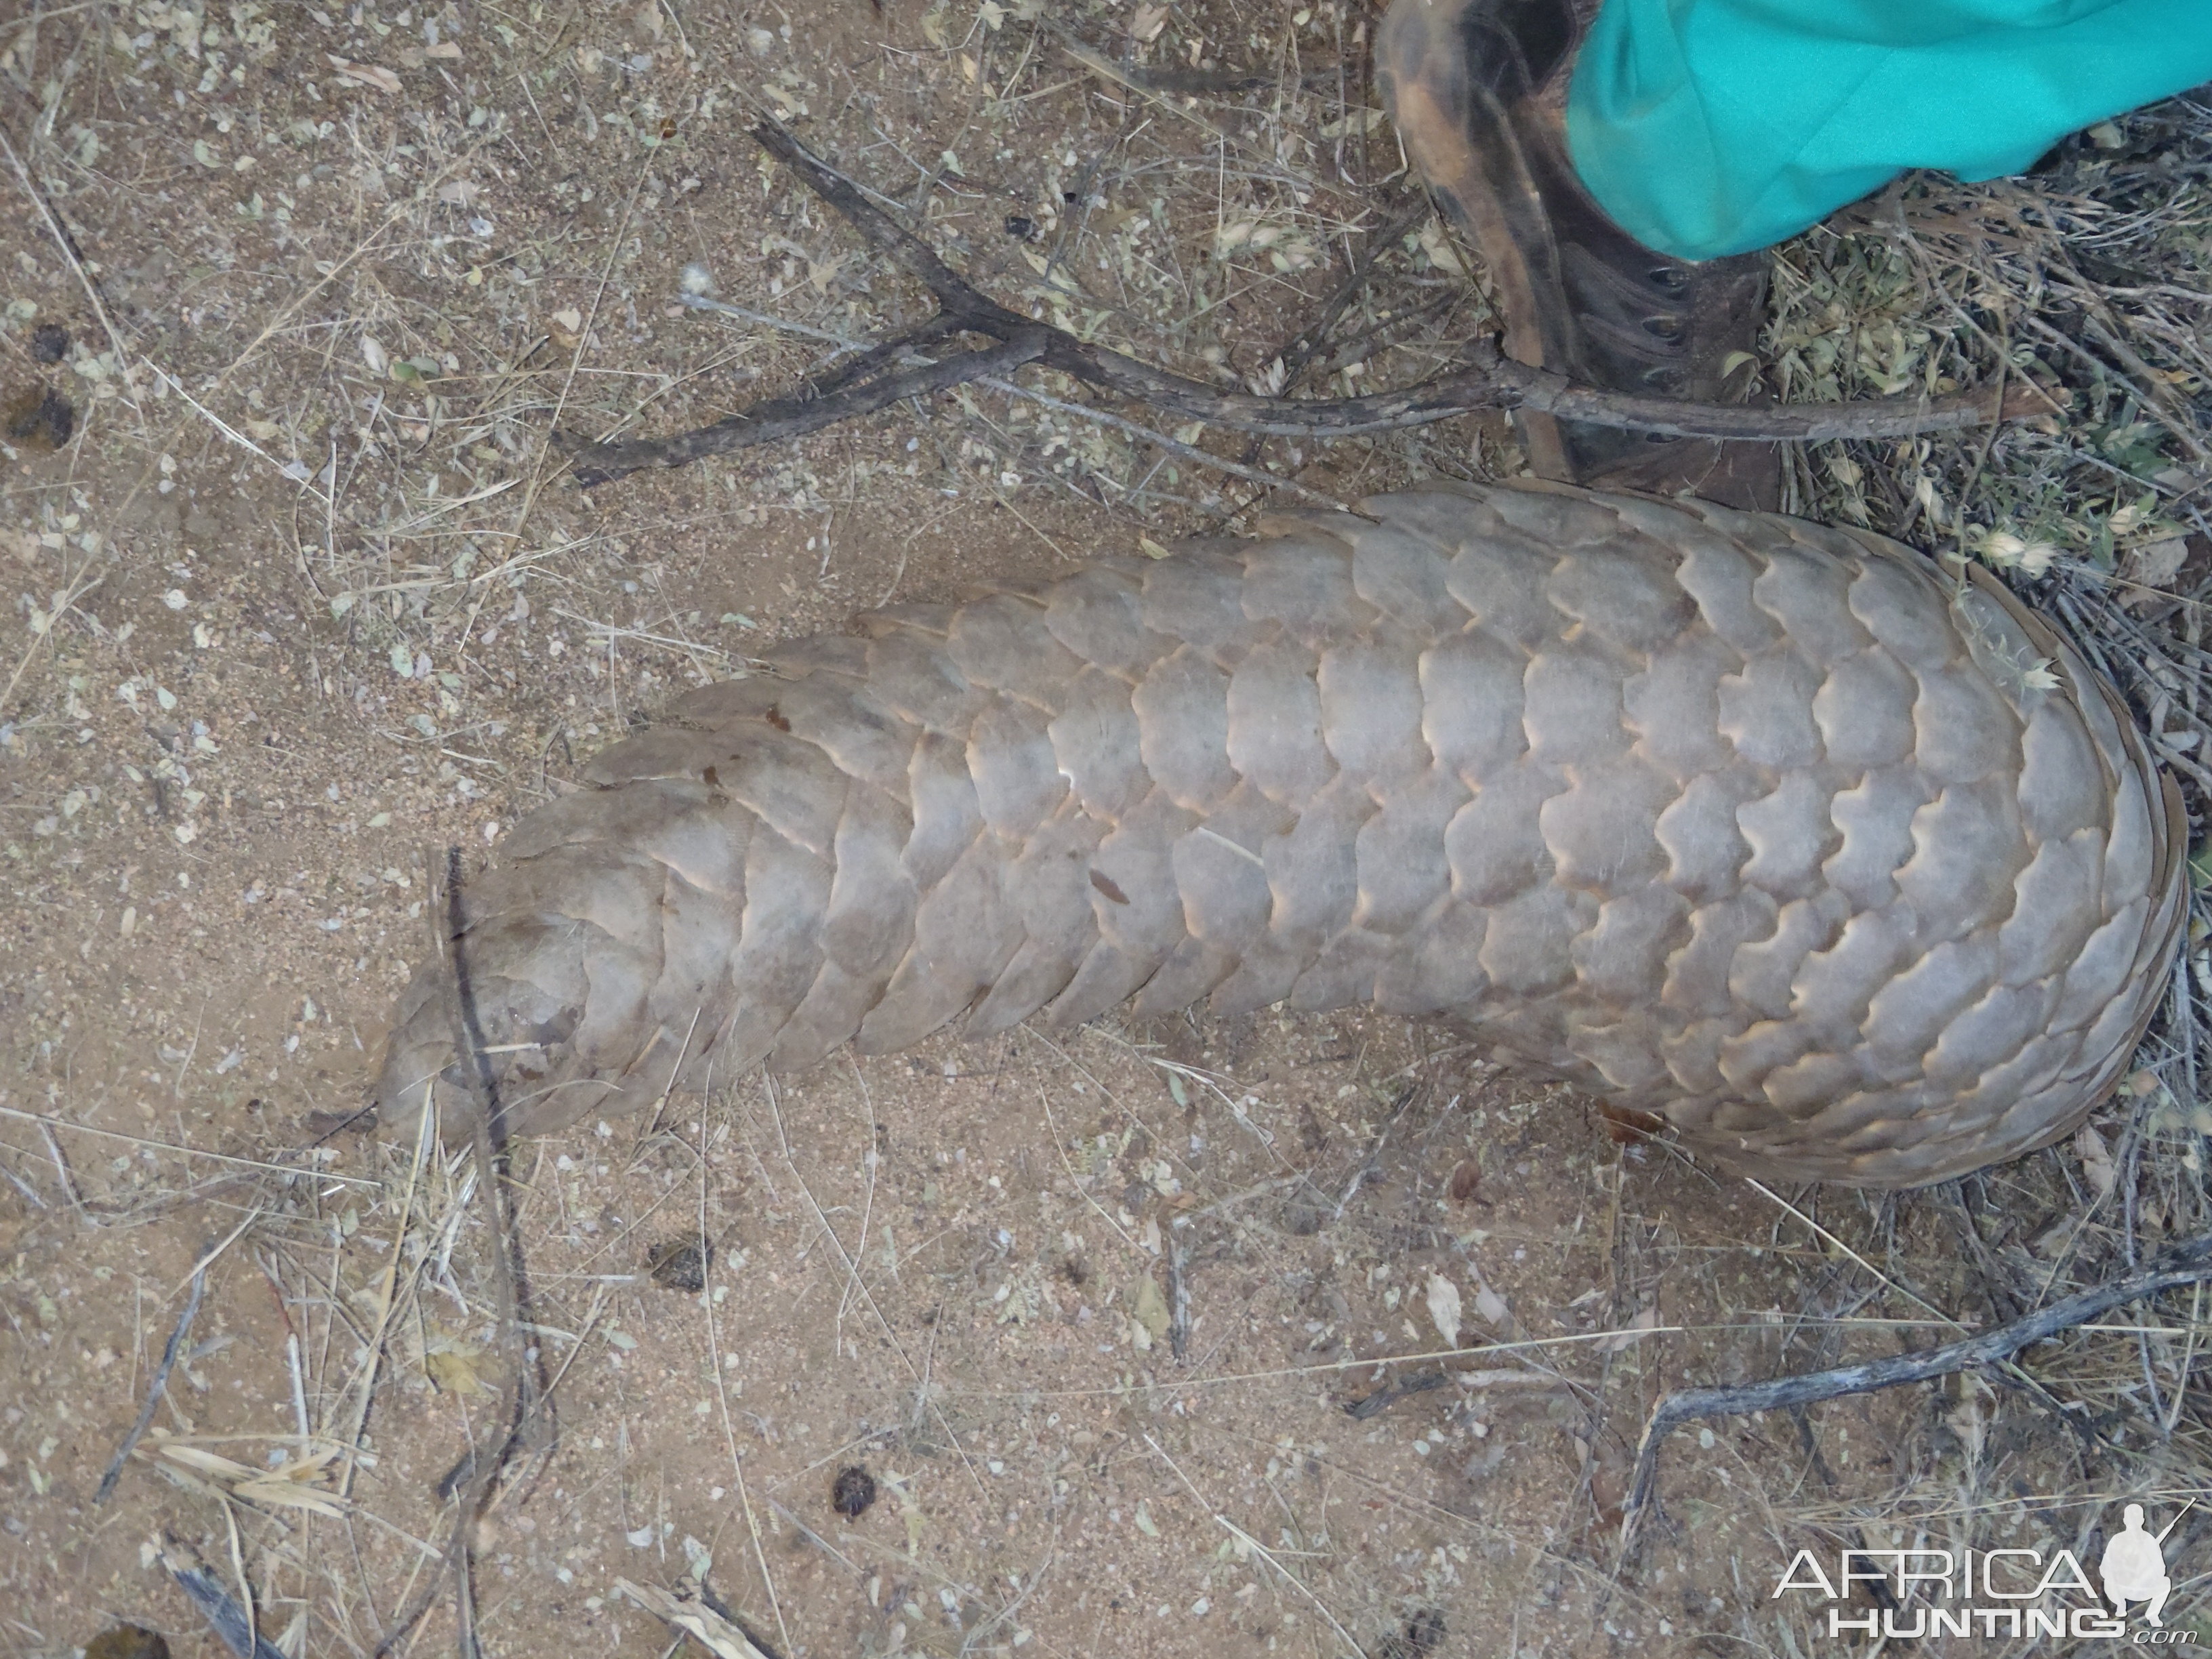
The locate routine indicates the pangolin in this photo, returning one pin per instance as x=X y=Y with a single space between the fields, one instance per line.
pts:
x=1848 y=867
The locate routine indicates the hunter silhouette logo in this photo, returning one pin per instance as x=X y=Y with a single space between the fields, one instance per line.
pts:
x=2134 y=1567
x=2011 y=1594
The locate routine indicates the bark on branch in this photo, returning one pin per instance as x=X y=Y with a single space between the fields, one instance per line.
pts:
x=1488 y=381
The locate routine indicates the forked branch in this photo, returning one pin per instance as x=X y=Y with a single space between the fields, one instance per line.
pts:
x=2187 y=1263
x=1488 y=381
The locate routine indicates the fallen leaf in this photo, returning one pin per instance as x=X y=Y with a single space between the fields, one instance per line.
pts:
x=1436 y=242
x=450 y=1364
x=1148 y=1307
x=275 y=1493
x=1625 y=1126
x=1353 y=122
x=1608 y=1468
x=206 y=1462
x=294 y=1485
x=366 y=75
x=1444 y=1308
x=2152 y=566
x=1492 y=1306
x=1629 y=1334
x=695 y=1620
x=2096 y=1157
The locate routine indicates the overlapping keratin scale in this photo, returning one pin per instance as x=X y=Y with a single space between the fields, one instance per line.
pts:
x=1848 y=871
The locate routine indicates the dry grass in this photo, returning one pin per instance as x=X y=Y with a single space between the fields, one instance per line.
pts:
x=306 y=589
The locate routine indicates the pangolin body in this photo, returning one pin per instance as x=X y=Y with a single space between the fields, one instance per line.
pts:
x=1848 y=870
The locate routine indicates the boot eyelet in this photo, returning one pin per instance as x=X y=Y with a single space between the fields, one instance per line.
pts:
x=1672 y=279
x=1668 y=329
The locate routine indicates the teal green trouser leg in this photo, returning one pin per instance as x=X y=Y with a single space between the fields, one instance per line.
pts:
x=1707 y=127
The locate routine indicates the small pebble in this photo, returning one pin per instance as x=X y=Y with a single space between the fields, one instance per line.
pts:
x=50 y=344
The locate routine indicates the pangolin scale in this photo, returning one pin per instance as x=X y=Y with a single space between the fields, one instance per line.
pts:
x=1848 y=868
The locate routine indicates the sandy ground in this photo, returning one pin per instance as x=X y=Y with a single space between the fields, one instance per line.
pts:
x=302 y=595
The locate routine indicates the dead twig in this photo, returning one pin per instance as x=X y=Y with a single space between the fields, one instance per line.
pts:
x=46 y=1125
x=1178 y=1250
x=783 y=419
x=1190 y=82
x=1253 y=1545
x=62 y=1170
x=707 y=1626
x=2187 y=1263
x=176 y=1346
x=30 y=1192
x=1489 y=381
x=125 y=365
x=229 y=1621
x=1303 y=346
x=1390 y=1393
x=488 y=1137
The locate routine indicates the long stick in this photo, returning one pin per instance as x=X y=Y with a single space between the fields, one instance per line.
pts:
x=154 y=1389
x=487 y=1137
x=2186 y=1263
x=1489 y=381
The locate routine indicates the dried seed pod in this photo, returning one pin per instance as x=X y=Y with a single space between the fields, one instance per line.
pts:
x=1848 y=869
x=39 y=417
x=127 y=1642
x=680 y=1264
x=1466 y=1181
x=853 y=1492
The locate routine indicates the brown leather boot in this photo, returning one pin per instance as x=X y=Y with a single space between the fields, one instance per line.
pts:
x=1478 y=89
